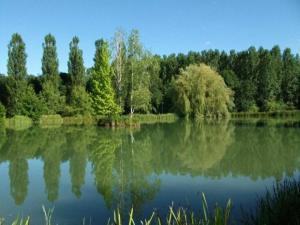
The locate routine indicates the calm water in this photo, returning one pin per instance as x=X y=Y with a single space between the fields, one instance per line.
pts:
x=89 y=171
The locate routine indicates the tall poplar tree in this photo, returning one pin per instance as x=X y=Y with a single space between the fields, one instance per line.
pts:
x=22 y=99
x=102 y=93
x=289 y=79
x=16 y=65
x=77 y=95
x=50 y=60
x=266 y=81
x=50 y=93
x=75 y=64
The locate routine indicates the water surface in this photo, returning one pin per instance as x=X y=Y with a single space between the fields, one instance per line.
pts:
x=86 y=172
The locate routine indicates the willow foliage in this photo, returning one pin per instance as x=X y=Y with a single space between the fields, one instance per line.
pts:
x=201 y=92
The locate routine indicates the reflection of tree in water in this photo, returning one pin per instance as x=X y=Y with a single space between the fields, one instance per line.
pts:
x=52 y=154
x=133 y=166
x=3 y=136
x=188 y=147
x=18 y=173
x=78 y=141
x=102 y=156
x=125 y=163
x=18 y=147
x=204 y=145
x=261 y=152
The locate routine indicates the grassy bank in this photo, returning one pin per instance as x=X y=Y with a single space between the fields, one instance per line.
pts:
x=275 y=114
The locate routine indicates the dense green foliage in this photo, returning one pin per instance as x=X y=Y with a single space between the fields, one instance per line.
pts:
x=201 y=92
x=77 y=96
x=132 y=80
x=50 y=82
x=262 y=80
x=102 y=93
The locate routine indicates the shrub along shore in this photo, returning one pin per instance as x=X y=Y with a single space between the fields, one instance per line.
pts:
x=121 y=121
x=273 y=114
x=52 y=121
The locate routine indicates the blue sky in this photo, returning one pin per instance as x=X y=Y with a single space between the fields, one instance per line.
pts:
x=166 y=26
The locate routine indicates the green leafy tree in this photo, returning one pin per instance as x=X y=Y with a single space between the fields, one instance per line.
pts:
x=50 y=93
x=290 y=78
x=118 y=66
x=75 y=64
x=267 y=79
x=202 y=92
x=246 y=70
x=50 y=60
x=22 y=99
x=102 y=93
x=78 y=98
x=156 y=86
x=16 y=65
x=138 y=78
x=277 y=67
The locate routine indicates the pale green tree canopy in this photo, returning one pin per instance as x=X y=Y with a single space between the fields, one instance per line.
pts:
x=202 y=92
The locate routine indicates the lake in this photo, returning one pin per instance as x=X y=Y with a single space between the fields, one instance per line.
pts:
x=86 y=172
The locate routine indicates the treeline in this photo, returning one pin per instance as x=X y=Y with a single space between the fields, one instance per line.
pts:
x=127 y=78
x=262 y=80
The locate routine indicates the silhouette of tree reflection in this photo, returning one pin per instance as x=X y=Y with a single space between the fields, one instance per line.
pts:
x=17 y=150
x=102 y=157
x=18 y=173
x=126 y=164
x=52 y=154
x=78 y=141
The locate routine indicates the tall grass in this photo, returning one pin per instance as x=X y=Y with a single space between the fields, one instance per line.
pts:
x=280 y=206
x=181 y=216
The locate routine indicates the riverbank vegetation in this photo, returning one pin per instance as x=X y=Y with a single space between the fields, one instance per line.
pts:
x=126 y=78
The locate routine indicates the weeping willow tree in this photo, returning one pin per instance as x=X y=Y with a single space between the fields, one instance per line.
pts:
x=201 y=92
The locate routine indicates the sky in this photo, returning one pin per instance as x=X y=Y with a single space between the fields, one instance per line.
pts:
x=166 y=26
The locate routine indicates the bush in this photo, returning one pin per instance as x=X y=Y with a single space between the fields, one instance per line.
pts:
x=19 y=122
x=52 y=100
x=23 y=100
x=2 y=111
x=80 y=102
x=275 y=106
x=50 y=121
x=73 y=120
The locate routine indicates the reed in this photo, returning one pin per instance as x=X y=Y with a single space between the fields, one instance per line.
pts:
x=281 y=205
x=181 y=216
